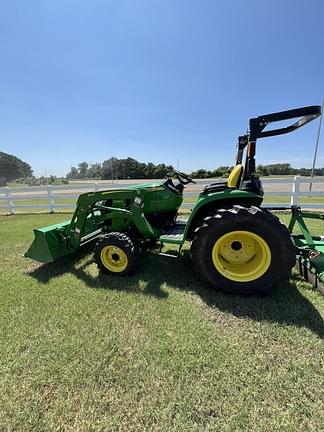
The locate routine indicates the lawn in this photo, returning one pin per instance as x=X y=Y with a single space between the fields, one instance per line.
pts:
x=158 y=351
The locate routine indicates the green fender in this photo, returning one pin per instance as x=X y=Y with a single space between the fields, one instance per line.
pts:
x=217 y=200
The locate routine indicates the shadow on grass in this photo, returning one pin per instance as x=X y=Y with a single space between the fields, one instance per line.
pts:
x=285 y=305
x=78 y=265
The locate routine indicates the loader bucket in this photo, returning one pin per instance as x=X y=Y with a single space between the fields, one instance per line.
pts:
x=49 y=243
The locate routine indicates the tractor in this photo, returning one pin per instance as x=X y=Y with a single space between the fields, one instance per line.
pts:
x=236 y=245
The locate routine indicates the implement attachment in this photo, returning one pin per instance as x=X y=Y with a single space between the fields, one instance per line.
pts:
x=95 y=214
x=309 y=248
x=49 y=243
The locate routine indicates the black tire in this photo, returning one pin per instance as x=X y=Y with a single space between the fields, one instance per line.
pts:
x=279 y=250
x=117 y=254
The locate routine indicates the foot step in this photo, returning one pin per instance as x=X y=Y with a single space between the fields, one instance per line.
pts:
x=168 y=255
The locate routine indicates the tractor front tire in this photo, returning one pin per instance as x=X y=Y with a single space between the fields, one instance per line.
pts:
x=242 y=250
x=117 y=254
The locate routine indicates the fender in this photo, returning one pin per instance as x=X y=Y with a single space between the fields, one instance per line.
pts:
x=217 y=200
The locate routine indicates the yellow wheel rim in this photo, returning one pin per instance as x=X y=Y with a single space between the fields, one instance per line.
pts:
x=114 y=258
x=241 y=256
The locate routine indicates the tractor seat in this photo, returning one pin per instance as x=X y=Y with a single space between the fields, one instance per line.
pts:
x=232 y=182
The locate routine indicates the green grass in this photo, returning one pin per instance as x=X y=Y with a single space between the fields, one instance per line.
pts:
x=315 y=226
x=158 y=351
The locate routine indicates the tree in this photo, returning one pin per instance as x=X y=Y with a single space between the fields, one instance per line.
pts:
x=220 y=171
x=134 y=169
x=73 y=173
x=262 y=170
x=280 y=169
x=160 y=171
x=12 y=168
x=201 y=173
x=109 y=169
x=83 y=169
x=306 y=172
x=150 y=170
x=94 y=171
x=170 y=170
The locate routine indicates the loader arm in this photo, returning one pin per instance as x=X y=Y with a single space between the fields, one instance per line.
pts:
x=130 y=212
x=90 y=219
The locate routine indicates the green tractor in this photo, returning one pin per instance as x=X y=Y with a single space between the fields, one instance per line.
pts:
x=236 y=245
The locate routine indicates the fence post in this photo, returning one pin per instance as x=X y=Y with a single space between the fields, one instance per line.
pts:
x=50 y=199
x=295 y=191
x=10 y=203
x=96 y=187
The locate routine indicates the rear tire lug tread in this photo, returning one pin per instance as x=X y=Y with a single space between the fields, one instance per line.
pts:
x=217 y=220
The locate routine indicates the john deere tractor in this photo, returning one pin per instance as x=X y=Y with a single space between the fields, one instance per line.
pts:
x=236 y=245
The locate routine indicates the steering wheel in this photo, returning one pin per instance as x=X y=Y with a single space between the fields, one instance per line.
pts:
x=183 y=178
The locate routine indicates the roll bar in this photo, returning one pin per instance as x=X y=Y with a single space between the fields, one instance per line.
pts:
x=257 y=124
x=256 y=130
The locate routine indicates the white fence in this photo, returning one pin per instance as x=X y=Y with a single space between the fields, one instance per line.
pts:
x=296 y=189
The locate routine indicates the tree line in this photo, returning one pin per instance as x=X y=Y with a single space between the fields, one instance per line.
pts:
x=286 y=169
x=14 y=169
x=278 y=169
x=130 y=168
x=114 y=168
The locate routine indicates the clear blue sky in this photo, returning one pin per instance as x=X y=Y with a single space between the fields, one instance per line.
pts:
x=158 y=80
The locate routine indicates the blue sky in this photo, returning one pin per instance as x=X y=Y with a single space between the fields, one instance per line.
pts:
x=159 y=81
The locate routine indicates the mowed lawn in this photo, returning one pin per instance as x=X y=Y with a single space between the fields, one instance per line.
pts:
x=158 y=351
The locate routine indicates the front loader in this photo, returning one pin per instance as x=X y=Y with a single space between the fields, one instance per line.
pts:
x=236 y=245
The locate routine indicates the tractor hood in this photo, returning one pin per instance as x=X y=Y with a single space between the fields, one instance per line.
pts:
x=160 y=197
x=151 y=186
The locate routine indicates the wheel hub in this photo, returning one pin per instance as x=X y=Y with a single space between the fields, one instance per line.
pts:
x=114 y=258
x=236 y=245
x=241 y=256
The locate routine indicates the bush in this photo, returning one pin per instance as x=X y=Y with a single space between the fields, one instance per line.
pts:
x=42 y=181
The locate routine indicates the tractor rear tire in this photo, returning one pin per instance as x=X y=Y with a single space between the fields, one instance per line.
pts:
x=242 y=250
x=117 y=254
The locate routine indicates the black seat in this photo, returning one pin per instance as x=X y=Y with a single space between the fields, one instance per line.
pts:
x=215 y=187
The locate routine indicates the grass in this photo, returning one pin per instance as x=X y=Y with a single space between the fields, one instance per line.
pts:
x=158 y=351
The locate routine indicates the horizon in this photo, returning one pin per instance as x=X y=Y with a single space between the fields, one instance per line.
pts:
x=161 y=82
x=266 y=166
